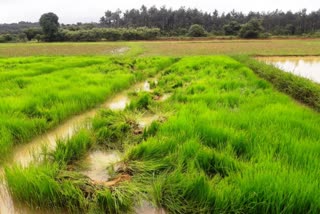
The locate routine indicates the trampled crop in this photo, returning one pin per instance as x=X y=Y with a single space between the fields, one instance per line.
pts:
x=37 y=93
x=229 y=143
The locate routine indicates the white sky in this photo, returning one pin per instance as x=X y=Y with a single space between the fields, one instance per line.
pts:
x=72 y=11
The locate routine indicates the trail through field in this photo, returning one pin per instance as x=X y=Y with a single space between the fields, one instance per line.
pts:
x=24 y=154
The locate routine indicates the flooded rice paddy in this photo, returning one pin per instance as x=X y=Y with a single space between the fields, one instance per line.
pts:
x=308 y=67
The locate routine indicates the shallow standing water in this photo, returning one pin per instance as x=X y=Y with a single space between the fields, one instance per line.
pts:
x=25 y=153
x=308 y=67
x=97 y=163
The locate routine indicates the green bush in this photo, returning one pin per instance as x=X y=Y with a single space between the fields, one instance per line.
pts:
x=109 y=34
x=251 y=30
x=196 y=31
x=7 y=38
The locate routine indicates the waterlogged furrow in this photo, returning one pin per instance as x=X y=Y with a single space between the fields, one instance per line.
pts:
x=94 y=173
x=29 y=106
x=24 y=154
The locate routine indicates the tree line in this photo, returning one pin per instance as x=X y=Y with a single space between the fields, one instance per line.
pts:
x=176 y=22
x=150 y=23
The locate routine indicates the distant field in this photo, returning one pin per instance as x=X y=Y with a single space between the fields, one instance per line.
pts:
x=168 y=48
x=220 y=47
x=58 y=49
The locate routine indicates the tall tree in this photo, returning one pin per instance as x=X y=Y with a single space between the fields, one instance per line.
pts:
x=174 y=22
x=252 y=29
x=50 y=26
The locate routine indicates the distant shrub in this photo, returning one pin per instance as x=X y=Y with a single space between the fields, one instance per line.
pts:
x=31 y=33
x=110 y=34
x=197 y=31
x=131 y=34
x=232 y=28
x=7 y=38
x=149 y=33
x=251 y=30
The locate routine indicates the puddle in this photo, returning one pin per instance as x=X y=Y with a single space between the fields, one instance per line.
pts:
x=308 y=67
x=146 y=121
x=148 y=208
x=6 y=203
x=165 y=97
x=97 y=163
x=119 y=102
x=145 y=86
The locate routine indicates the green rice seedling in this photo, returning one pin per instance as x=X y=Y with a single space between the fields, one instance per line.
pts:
x=70 y=150
x=233 y=145
x=184 y=193
x=151 y=130
x=37 y=186
x=253 y=149
x=113 y=129
x=141 y=102
x=71 y=85
x=299 y=88
x=119 y=199
x=213 y=163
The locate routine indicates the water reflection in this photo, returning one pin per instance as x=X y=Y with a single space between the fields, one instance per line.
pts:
x=97 y=163
x=308 y=67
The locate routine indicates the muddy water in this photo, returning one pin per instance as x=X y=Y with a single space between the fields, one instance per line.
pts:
x=165 y=97
x=25 y=153
x=97 y=163
x=147 y=208
x=146 y=120
x=6 y=203
x=308 y=67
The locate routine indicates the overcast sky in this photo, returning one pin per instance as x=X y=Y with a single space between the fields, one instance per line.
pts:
x=72 y=11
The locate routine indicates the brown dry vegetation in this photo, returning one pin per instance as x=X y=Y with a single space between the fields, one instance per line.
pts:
x=248 y=47
x=289 y=47
x=56 y=49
